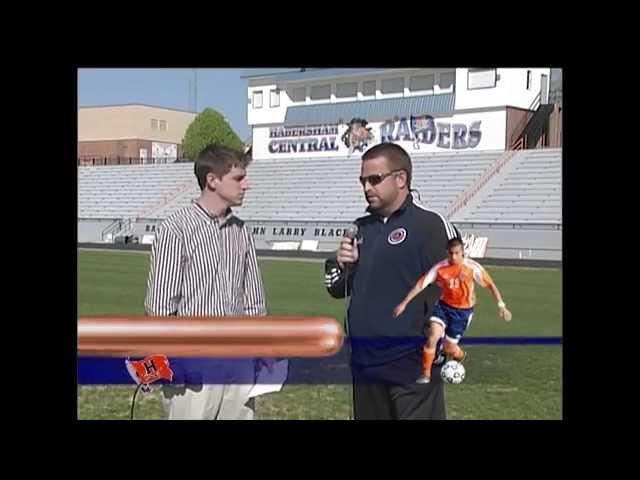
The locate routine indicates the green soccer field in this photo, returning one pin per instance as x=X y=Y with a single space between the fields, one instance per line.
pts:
x=502 y=382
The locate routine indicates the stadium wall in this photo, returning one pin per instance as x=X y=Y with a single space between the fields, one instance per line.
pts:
x=505 y=241
x=510 y=88
x=521 y=242
x=479 y=130
x=90 y=230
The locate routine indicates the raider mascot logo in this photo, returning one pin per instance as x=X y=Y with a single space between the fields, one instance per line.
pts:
x=424 y=130
x=358 y=135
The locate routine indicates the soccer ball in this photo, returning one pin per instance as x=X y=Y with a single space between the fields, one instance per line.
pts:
x=452 y=372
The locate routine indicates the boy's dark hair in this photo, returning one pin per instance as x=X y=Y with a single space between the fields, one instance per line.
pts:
x=455 y=242
x=219 y=161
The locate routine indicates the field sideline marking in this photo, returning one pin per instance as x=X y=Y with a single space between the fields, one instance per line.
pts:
x=311 y=260
x=286 y=259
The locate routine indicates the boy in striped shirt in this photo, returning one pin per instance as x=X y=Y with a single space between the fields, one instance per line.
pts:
x=452 y=313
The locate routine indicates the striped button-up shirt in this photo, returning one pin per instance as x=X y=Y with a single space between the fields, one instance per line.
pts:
x=204 y=266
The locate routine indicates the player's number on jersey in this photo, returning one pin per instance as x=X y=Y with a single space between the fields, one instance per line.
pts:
x=454 y=283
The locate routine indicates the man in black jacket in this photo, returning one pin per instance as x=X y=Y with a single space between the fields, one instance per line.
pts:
x=395 y=244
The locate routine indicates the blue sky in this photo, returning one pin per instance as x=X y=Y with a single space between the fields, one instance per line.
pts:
x=219 y=88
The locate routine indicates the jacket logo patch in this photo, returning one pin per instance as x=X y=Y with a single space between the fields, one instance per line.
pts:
x=397 y=236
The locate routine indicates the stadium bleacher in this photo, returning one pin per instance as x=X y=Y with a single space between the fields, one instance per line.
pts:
x=123 y=191
x=305 y=189
x=527 y=190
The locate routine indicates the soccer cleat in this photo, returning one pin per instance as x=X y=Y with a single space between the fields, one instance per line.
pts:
x=451 y=357
x=423 y=379
x=464 y=357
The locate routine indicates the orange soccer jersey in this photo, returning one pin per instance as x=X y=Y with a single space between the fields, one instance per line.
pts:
x=456 y=281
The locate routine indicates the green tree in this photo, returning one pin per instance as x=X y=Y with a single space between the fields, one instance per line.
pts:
x=209 y=127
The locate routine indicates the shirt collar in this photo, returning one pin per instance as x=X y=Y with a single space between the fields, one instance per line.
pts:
x=206 y=216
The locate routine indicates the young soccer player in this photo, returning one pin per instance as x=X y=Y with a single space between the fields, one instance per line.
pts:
x=452 y=313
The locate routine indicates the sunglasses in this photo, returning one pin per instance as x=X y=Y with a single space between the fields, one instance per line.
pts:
x=377 y=178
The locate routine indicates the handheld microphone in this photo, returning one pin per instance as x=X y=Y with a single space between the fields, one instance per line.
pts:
x=352 y=233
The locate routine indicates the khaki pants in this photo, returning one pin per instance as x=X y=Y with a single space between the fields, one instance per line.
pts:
x=215 y=401
x=208 y=402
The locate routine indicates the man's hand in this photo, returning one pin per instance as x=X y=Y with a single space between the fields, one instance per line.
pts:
x=267 y=362
x=347 y=252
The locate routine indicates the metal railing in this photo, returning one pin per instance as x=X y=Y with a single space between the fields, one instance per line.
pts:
x=536 y=129
x=464 y=198
x=517 y=132
x=519 y=145
x=91 y=161
x=126 y=227
x=117 y=227
x=111 y=228
x=536 y=101
x=168 y=198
